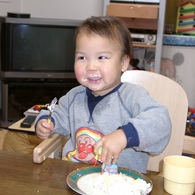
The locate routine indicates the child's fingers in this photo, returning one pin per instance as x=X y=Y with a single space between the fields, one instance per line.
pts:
x=97 y=148
x=44 y=129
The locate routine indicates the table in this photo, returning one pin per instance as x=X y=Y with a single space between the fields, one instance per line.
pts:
x=19 y=175
x=16 y=126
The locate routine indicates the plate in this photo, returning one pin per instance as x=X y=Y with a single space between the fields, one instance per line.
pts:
x=73 y=177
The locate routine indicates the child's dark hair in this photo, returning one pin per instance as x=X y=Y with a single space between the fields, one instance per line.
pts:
x=110 y=27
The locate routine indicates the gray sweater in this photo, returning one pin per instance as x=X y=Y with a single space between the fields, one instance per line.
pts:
x=128 y=104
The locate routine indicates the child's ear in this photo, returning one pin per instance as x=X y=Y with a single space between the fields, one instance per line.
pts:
x=125 y=63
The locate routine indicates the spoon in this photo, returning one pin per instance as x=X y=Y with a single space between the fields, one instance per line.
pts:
x=111 y=168
x=51 y=108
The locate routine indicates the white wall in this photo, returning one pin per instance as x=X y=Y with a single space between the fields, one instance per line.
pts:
x=68 y=9
x=182 y=58
x=11 y=6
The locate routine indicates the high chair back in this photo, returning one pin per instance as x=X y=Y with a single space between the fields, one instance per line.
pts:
x=171 y=94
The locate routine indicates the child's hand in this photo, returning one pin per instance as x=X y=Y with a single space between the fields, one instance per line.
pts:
x=112 y=145
x=44 y=129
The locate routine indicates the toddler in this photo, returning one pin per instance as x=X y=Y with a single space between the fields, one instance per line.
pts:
x=118 y=121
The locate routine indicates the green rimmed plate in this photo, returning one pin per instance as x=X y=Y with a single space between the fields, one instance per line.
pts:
x=75 y=175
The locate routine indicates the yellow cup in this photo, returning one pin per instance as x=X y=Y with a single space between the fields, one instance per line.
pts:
x=179 y=175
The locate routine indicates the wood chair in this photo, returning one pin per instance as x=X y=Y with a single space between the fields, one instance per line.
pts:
x=163 y=90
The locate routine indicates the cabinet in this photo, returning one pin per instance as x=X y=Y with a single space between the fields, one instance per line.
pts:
x=143 y=17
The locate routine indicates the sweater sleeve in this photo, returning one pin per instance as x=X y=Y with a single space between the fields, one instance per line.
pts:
x=131 y=135
x=149 y=118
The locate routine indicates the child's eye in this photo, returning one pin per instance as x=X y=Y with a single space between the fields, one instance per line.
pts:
x=81 y=58
x=102 y=58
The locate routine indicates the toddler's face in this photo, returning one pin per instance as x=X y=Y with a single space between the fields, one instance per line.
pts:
x=98 y=63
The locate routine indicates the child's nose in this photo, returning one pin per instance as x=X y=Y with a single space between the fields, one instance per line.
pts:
x=91 y=65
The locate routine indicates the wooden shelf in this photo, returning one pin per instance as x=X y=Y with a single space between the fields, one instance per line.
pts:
x=142 y=11
x=136 y=16
x=137 y=23
x=143 y=45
